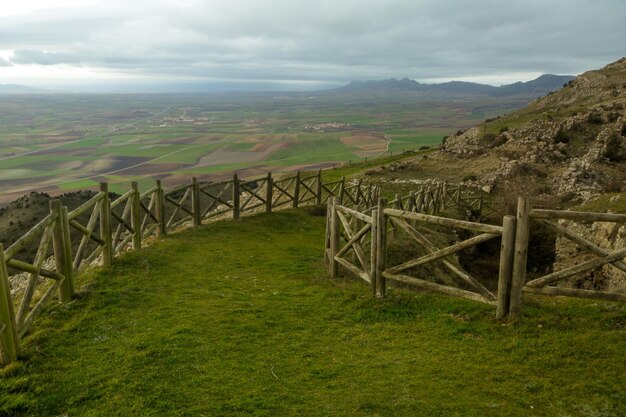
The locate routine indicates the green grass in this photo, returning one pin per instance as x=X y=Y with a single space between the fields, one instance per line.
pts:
x=239 y=318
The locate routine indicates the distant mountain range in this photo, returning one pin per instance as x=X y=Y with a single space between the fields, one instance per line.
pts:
x=531 y=89
x=19 y=89
x=537 y=87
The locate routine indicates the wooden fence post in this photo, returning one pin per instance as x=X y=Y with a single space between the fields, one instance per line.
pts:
x=334 y=237
x=269 y=193
x=327 y=234
x=318 y=190
x=105 y=226
x=358 y=193
x=443 y=195
x=160 y=209
x=135 y=215
x=296 y=190
x=9 y=339
x=374 y=251
x=62 y=246
x=342 y=189
x=522 y=230
x=381 y=248
x=507 y=254
x=397 y=204
x=236 y=197
x=195 y=202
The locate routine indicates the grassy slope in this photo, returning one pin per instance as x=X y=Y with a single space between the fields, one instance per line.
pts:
x=238 y=318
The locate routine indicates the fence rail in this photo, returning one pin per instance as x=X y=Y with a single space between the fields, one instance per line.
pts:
x=100 y=229
x=405 y=214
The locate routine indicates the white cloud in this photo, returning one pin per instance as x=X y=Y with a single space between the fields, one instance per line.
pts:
x=324 y=40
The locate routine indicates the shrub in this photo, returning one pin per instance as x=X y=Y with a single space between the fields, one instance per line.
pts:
x=562 y=136
x=595 y=118
x=614 y=150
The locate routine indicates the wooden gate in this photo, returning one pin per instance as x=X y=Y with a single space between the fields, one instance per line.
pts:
x=401 y=219
x=351 y=242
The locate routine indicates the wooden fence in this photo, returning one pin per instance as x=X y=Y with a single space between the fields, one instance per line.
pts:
x=106 y=228
x=527 y=217
x=365 y=237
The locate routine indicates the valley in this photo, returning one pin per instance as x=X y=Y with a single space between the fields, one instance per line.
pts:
x=57 y=143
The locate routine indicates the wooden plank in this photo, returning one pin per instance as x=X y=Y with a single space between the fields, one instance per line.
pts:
x=30 y=235
x=195 y=203
x=86 y=232
x=522 y=230
x=444 y=221
x=442 y=253
x=334 y=236
x=149 y=192
x=381 y=248
x=577 y=216
x=10 y=341
x=373 y=251
x=121 y=199
x=105 y=226
x=135 y=215
x=85 y=240
x=85 y=206
x=61 y=244
x=429 y=246
x=123 y=222
x=579 y=240
x=296 y=191
x=575 y=292
x=29 y=291
x=576 y=269
x=507 y=257
x=236 y=197
x=355 y=238
x=356 y=214
x=358 y=251
x=318 y=189
x=356 y=271
x=37 y=308
x=432 y=286
x=160 y=209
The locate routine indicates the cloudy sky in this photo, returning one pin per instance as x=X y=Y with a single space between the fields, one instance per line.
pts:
x=306 y=44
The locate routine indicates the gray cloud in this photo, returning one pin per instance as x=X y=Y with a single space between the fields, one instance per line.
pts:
x=323 y=40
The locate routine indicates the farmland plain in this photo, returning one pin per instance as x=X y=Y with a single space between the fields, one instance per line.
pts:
x=60 y=142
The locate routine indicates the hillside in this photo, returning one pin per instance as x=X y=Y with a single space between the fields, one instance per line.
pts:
x=240 y=318
x=571 y=143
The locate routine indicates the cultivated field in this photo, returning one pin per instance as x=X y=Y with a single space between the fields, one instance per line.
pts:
x=57 y=143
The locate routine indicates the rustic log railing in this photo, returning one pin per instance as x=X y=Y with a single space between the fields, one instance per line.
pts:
x=67 y=243
x=354 y=226
x=527 y=218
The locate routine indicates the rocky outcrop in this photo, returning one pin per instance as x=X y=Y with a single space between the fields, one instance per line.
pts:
x=609 y=236
x=565 y=142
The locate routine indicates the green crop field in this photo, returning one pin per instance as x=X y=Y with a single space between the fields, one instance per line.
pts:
x=240 y=318
x=87 y=138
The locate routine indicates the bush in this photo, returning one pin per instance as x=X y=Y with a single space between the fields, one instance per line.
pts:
x=595 y=118
x=615 y=151
x=562 y=136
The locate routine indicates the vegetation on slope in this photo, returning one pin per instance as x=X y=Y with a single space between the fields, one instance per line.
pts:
x=239 y=318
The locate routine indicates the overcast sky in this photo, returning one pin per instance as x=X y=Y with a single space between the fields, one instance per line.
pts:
x=305 y=43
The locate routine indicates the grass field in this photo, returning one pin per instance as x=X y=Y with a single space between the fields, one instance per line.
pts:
x=239 y=318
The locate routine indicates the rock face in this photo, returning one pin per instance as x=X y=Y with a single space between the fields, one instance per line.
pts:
x=571 y=141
